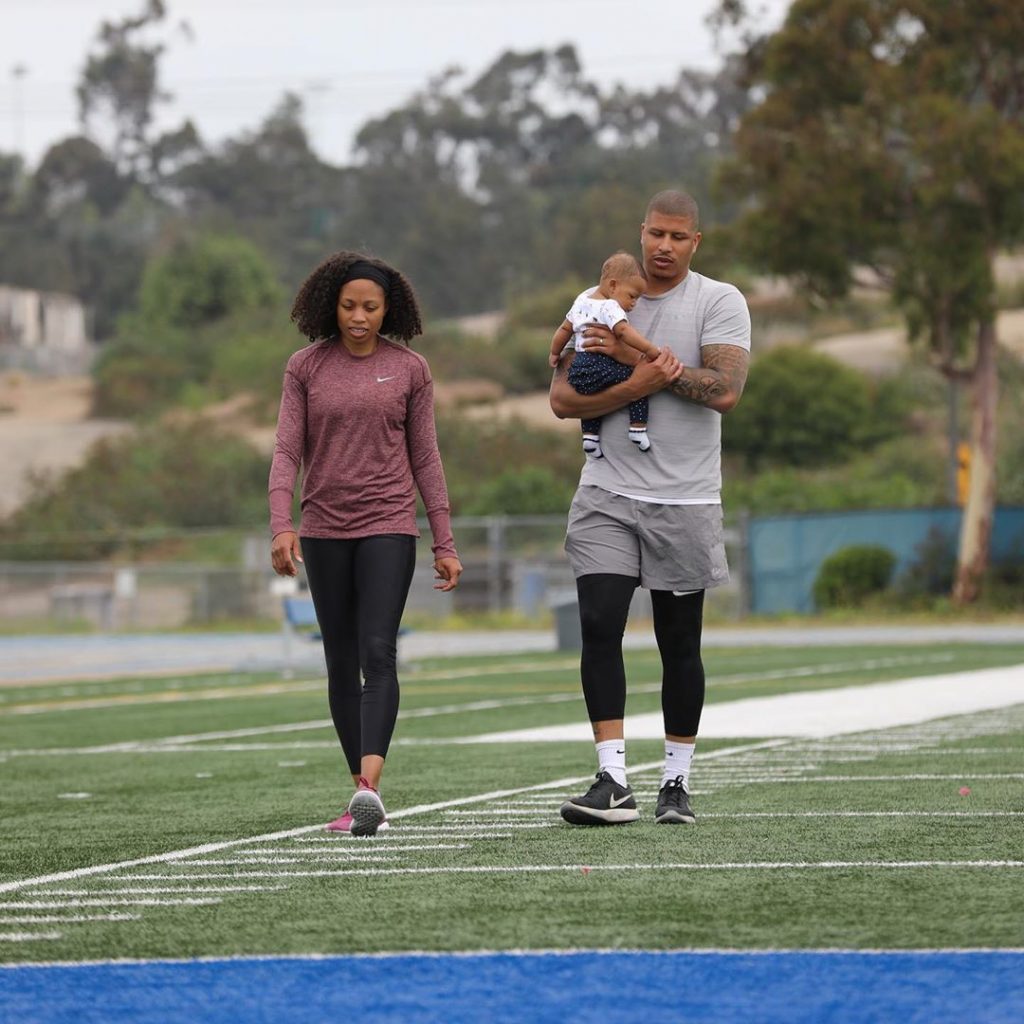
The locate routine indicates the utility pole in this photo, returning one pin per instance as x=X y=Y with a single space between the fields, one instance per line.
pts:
x=18 y=73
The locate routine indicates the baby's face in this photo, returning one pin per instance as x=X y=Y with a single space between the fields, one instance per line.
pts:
x=626 y=292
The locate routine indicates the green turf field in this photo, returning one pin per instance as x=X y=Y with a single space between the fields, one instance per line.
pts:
x=222 y=783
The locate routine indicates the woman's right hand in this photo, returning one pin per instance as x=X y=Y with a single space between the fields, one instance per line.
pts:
x=285 y=552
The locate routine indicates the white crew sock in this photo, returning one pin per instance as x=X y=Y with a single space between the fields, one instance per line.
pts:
x=677 y=762
x=592 y=445
x=611 y=758
x=638 y=435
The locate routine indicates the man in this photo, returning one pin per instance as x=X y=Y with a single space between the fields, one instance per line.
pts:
x=654 y=518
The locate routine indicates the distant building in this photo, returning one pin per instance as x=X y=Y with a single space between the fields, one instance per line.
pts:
x=43 y=331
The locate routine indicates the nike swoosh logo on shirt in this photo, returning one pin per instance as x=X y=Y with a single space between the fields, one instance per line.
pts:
x=380 y=380
x=612 y=802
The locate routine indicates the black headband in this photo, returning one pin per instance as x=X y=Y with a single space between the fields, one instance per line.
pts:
x=362 y=270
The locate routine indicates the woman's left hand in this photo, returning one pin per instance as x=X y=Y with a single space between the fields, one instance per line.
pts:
x=448 y=571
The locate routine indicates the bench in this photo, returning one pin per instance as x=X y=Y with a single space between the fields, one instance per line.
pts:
x=299 y=616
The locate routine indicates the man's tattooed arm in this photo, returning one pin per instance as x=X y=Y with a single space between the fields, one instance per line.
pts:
x=718 y=382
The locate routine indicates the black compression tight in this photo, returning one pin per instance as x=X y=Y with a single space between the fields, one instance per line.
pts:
x=359 y=589
x=604 y=604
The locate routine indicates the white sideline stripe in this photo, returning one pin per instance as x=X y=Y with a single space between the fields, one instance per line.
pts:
x=407 y=812
x=237 y=861
x=29 y=936
x=291 y=851
x=817 y=713
x=467 y=954
x=449 y=830
x=510 y=869
x=198 y=889
x=920 y=777
x=62 y=919
x=863 y=814
x=500 y=812
x=113 y=901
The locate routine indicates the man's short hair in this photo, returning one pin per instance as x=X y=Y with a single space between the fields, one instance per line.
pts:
x=621 y=266
x=673 y=203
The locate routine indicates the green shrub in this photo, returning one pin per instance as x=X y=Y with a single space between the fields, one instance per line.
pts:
x=167 y=475
x=532 y=490
x=931 y=572
x=853 y=573
x=802 y=408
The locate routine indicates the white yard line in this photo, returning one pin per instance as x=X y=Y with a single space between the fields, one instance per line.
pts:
x=291 y=851
x=64 y=919
x=150 y=891
x=42 y=903
x=862 y=814
x=576 y=868
x=1013 y=952
x=29 y=936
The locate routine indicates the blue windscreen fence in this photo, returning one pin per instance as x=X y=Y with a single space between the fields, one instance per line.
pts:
x=784 y=553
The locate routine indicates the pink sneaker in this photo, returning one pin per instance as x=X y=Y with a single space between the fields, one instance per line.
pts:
x=366 y=810
x=342 y=824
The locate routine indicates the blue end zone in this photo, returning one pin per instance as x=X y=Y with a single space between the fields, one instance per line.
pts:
x=724 y=988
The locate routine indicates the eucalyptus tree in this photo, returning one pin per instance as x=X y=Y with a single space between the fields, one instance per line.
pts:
x=887 y=148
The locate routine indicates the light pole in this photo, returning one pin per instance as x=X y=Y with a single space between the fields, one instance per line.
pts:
x=18 y=73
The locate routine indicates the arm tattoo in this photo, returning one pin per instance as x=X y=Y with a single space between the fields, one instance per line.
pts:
x=723 y=372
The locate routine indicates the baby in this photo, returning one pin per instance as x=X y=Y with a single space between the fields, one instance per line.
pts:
x=622 y=282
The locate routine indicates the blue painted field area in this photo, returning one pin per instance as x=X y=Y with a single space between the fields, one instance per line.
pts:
x=816 y=988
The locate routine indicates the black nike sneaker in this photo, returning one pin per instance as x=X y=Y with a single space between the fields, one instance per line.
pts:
x=605 y=803
x=674 y=804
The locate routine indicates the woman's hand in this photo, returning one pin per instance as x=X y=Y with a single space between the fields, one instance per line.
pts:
x=283 y=549
x=448 y=571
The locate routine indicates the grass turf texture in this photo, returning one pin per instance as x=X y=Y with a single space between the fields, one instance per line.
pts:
x=532 y=892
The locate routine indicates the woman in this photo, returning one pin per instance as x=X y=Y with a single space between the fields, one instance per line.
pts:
x=357 y=415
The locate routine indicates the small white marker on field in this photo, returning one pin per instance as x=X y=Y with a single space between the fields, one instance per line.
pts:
x=204 y=775
x=73 y=796
x=291 y=764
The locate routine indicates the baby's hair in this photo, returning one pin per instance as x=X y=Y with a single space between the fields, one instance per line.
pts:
x=621 y=266
x=673 y=203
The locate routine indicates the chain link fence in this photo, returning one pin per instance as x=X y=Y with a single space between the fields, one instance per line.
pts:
x=513 y=564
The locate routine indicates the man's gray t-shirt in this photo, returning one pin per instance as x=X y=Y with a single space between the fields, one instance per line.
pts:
x=684 y=462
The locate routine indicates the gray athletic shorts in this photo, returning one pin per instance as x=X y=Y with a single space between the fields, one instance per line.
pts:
x=669 y=547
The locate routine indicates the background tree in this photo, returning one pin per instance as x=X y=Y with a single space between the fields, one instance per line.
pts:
x=890 y=140
x=189 y=301
x=119 y=87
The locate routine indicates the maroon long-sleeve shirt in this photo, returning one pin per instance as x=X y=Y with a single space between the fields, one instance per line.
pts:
x=362 y=429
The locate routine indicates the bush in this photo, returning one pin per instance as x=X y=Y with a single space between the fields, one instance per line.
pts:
x=532 y=490
x=853 y=573
x=802 y=408
x=476 y=452
x=931 y=572
x=164 y=476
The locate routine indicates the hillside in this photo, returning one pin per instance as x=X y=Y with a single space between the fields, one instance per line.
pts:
x=45 y=425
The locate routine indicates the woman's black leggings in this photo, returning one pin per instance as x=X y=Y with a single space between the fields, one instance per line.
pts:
x=604 y=604
x=359 y=589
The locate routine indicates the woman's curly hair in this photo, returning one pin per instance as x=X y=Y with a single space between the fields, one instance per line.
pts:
x=315 y=310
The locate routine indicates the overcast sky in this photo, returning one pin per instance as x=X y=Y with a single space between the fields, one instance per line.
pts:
x=349 y=59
